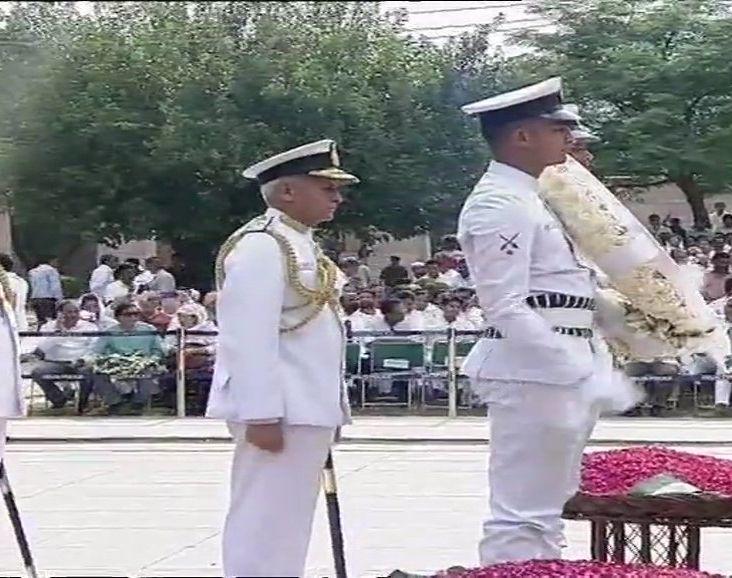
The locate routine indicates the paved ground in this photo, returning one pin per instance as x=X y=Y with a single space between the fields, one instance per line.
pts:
x=413 y=429
x=154 y=508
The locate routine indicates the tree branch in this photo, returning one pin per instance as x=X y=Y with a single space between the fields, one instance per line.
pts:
x=630 y=182
x=691 y=106
x=670 y=37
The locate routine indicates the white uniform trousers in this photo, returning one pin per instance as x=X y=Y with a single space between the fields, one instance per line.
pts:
x=273 y=498
x=538 y=435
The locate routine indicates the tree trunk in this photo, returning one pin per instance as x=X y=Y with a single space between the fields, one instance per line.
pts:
x=197 y=261
x=695 y=198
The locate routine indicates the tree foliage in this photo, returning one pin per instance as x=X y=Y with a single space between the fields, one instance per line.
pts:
x=139 y=118
x=654 y=77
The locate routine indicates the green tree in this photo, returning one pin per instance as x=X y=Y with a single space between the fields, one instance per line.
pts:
x=138 y=119
x=654 y=77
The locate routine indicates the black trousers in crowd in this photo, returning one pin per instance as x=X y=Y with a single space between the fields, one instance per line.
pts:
x=45 y=376
x=658 y=391
x=44 y=309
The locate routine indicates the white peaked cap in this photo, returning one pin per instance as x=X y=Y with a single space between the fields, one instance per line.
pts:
x=318 y=159
x=543 y=99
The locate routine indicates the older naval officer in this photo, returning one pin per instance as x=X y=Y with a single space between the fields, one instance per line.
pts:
x=278 y=378
x=536 y=360
x=12 y=404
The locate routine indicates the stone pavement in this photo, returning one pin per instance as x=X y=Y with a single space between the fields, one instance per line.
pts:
x=155 y=509
x=372 y=429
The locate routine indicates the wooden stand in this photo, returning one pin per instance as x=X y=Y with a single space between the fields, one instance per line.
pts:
x=660 y=531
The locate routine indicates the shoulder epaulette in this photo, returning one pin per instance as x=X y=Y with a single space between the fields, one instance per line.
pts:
x=258 y=224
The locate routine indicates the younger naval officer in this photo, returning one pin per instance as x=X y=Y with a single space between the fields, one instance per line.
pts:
x=535 y=361
x=278 y=378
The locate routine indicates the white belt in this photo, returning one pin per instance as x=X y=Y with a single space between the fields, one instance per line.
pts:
x=559 y=317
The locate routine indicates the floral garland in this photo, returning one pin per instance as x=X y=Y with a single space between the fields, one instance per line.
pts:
x=646 y=284
x=132 y=366
x=574 y=569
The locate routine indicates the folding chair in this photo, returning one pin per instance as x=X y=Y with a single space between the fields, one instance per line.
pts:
x=353 y=359
x=353 y=368
x=440 y=359
x=395 y=359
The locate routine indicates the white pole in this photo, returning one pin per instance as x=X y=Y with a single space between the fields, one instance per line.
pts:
x=180 y=374
x=451 y=374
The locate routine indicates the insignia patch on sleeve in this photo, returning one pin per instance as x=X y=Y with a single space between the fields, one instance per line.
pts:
x=508 y=244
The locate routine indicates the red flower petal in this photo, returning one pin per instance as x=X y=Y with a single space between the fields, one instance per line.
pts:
x=576 y=569
x=617 y=471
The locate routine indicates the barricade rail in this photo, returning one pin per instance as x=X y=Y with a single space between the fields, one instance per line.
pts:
x=450 y=369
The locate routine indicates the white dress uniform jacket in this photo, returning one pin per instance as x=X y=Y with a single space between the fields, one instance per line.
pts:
x=515 y=248
x=261 y=373
x=265 y=374
x=536 y=381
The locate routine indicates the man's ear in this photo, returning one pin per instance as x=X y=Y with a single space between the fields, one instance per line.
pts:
x=287 y=194
x=521 y=135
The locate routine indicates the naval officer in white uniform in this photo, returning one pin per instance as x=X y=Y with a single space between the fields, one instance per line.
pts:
x=582 y=139
x=12 y=404
x=536 y=360
x=278 y=379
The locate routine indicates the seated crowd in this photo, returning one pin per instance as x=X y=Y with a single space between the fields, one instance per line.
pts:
x=125 y=322
x=143 y=304
x=704 y=254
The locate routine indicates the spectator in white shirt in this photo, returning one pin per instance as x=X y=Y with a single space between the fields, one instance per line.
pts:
x=103 y=275
x=163 y=281
x=123 y=286
x=715 y=218
x=411 y=315
x=361 y=319
x=452 y=316
x=471 y=309
x=63 y=354
x=349 y=304
x=143 y=278
x=46 y=291
x=19 y=287
x=418 y=270
x=448 y=273
x=430 y=311
x=393 y=318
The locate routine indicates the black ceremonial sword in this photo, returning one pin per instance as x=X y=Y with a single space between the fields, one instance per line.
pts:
x=334 y=517
x=25 y=552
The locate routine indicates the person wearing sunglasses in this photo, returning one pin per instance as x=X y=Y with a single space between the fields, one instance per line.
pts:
x=129 y=336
